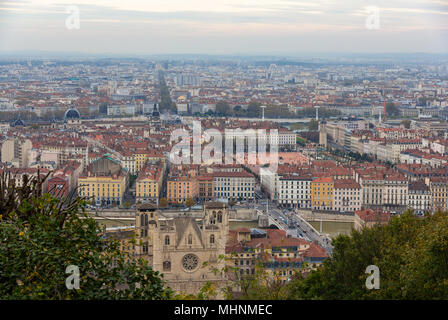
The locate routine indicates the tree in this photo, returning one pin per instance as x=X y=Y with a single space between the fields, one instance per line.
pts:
x=163 y=203
x=313 y=125
x=237 y=111
x=392 y=109
x=410 y=252
x=42 y=235
x=406 y=123
x=223 y=108
x=253 y=109
x=189 y=202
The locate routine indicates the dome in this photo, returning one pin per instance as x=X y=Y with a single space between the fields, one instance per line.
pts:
x=72 y=114
x=18 y=122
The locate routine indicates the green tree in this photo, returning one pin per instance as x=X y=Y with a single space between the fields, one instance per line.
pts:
x=189 y=202
x=223 y=108
x=163 y=203
x=410 y=252
x=42 y=235
x=253 y=109
x=392 y=109
x=313 y=125
x=406 y=123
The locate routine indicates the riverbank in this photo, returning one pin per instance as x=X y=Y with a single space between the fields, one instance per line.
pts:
x=318 y=216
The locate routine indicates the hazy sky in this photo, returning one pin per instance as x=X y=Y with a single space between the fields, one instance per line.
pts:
x=224 y=26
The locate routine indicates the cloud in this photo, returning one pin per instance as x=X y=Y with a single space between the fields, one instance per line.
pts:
x=233 y=22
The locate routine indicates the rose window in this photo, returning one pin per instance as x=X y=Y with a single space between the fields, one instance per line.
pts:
x=190 y=262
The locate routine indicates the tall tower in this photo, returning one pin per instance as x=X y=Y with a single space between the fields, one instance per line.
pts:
x=146 y=225
x=262 y=112
x=384 y=109
x=317 y=112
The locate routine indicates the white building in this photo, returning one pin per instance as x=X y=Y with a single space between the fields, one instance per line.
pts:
x=347 y=195
x=233 y=185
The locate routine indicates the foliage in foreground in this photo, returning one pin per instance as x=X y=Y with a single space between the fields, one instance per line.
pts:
x=41 y=236
x=411 y=253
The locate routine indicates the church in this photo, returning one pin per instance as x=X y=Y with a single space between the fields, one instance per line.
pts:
x=187 y=249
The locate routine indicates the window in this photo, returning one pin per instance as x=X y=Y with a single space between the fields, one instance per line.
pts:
x=166 y=266
x=167 y=240
x=190 y=239
x=212 y=239
x=190 y=262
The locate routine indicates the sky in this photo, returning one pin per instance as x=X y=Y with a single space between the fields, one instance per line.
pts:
x=255 y=27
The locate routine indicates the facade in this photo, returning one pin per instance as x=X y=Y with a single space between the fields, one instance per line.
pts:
x=126 y=238
x=372 y=189
x=148 y=184
x=395 y=191
x=68 y=150
x=178 y=247
x=439 y=193
x=391 y=150
x=294 y=191
x=181 y=188
x=104 y=181
x=205 y=186
x=234 y=185
x=142 y=157
x=347 y=195
x=322 y=193
x=419 y=196
x=16 y=151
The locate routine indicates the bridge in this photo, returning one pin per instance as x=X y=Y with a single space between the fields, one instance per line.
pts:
x=294 y=224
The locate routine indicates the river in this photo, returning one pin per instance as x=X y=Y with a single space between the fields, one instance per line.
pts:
x=333 y=228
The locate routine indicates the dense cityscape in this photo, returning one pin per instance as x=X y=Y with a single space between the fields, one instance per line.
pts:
x=321 y=149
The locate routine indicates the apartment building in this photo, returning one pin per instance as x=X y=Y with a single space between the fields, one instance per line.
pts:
x=439 y=193
x=104 y=181
x=347 y=195
x=205 y=185
x=322 y=191
x=281 y=256
x=372 y=184
x=181 y=188
x=234 y=185
x=419 y=196
x=391 y=150
x=148 y=184
x=294 y=191
x=395 y=191
x=16 y=151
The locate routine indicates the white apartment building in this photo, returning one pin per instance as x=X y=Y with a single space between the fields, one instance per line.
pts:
x=347 y=195
x=294 y=191
x=372 y=190
x=395 y=191
x=391 y=150
x=233 y=185
x=270 y=181
x=419 y=196
x=128 y=162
